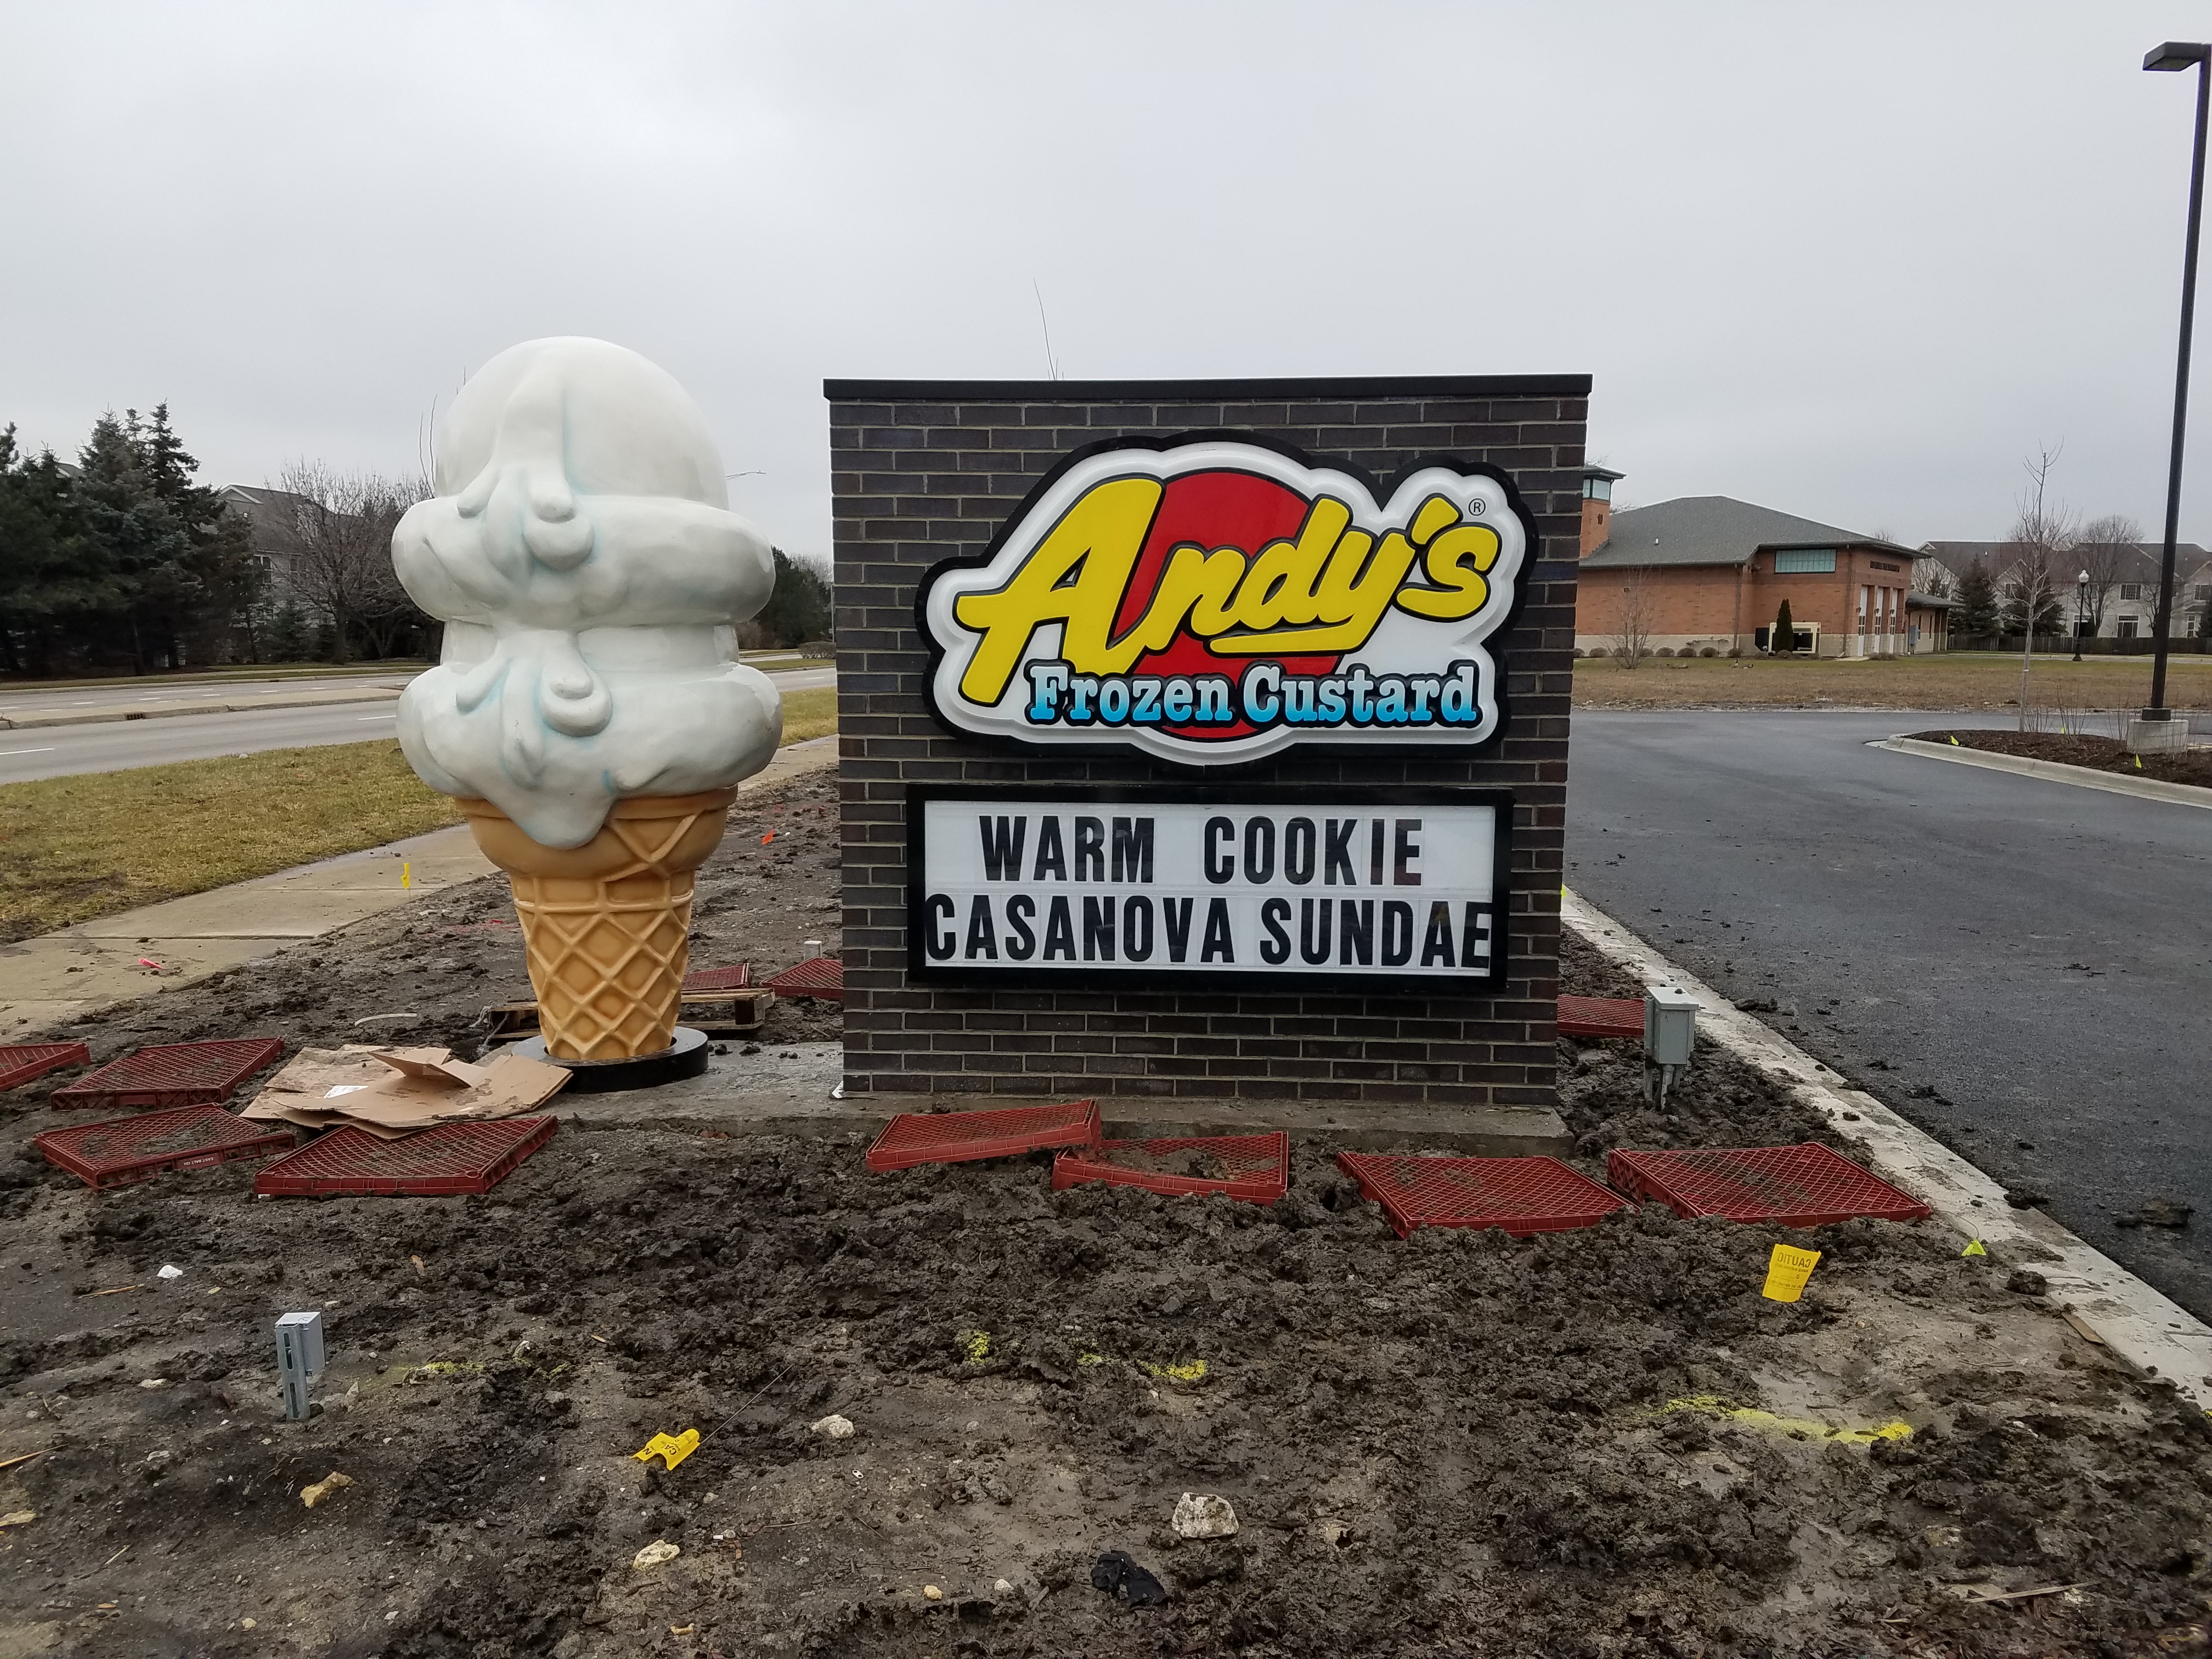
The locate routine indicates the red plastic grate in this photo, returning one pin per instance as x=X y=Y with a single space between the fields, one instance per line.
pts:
x=1523 y=1195
x=180 y=1074
x=823 y=976
x=912 y=1138
x=739 y=978
x=23 y=1062
x=452 y=1158
x=129 y=1149
x=1602 y=1017
x=1788 y=1185
x=1257 y=1168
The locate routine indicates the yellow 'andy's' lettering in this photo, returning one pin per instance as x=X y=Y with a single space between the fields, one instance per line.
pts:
x=1076 y=577
x=1459 y=562
x=1323 y=590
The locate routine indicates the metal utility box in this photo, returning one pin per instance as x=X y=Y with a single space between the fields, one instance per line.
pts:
x=299 y=1356
x=1670 y=1025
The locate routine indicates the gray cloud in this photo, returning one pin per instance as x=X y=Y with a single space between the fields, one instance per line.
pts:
x=1850 y=261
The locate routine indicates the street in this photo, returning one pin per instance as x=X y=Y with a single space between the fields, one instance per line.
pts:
x=2018 y=966
x=54 y=751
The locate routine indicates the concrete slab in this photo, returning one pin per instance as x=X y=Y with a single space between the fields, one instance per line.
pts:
x=789 y=1091
x=60 y=974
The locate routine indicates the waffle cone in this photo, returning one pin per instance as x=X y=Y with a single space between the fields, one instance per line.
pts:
x=608 y=924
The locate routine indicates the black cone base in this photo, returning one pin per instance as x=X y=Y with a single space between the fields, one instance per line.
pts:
x=686 y=1057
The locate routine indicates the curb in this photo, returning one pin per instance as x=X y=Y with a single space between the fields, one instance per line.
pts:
x=2151 y=1333
x=104 y=716
x=2082 y=777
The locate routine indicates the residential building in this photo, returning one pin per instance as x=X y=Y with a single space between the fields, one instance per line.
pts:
x=1706 y=576
x=2121 y=600
x=272 y=516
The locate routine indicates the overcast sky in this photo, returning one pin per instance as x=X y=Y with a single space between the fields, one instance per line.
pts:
x=1850 y=261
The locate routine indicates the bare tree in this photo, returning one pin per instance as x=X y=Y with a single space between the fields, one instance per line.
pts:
x=2045 y=534
x=339 y=550
x=1633 y=622
x=2110 y=548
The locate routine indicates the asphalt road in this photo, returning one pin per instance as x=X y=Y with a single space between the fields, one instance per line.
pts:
x=2022 y=967
x=53 y=751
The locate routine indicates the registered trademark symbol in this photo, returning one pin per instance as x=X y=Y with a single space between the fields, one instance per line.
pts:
x=1477 y=507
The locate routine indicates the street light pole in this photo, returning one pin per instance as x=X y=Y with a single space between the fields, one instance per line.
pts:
x=2176 y=55
x=2081 y=611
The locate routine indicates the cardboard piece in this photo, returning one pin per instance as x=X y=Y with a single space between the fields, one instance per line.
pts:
x=392 y=1092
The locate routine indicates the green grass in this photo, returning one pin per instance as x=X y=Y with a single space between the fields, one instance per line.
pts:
x=810 y=714
x=74 y=849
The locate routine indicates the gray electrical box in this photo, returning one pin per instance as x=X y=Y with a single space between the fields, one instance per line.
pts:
x=1670 y=1035
x=298 y=1356
x=1670 y=1025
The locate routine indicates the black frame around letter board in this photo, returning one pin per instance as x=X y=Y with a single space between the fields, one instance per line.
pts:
x=922 y=970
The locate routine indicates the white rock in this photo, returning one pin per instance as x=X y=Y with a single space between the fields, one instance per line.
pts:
x=655 y=1553
x=1002 y=1587
x=834 y=1427
x=170 y=1272
x=1207 y=1517
x=1332 y=1533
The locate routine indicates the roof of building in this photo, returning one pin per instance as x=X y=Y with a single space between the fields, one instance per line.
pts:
x=1716 y=530
x=1605 y=472
x=1916 y=601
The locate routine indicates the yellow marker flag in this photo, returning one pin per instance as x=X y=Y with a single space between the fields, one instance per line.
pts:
x=1787 y=1271
x=1974 y=1248
x=672 y=1450
x=406 y=872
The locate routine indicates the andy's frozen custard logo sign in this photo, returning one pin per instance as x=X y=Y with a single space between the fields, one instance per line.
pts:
x=1215 y=600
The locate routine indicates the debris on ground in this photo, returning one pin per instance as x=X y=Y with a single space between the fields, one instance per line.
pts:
x=2157 y=1213
x=671 y=1449
x=1208 y=1517
x=1118 y=1575
x=654 y=1553
x=331 y=1483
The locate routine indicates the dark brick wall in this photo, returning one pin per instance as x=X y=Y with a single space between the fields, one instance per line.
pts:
x=920 y=472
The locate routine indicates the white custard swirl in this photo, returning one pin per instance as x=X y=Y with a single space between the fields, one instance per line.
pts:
x=580 y=549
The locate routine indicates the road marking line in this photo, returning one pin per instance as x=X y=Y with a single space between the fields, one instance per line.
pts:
x=48 y=749
x=376 y=717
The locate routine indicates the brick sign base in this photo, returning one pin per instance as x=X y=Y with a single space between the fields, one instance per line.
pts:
x=924 y=471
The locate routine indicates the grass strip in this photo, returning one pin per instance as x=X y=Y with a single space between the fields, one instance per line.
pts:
x=73 y=848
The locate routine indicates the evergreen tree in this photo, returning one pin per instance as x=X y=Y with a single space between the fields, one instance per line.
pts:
x=1785 y=636
x=285 y=639
x=800 y=608
x=50 y=584
x=1978 y=601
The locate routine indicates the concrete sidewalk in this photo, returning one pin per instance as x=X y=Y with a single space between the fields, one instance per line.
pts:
x=59 y=975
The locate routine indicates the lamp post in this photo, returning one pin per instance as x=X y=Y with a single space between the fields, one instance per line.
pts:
x=2081 y=611
x=2173 y=56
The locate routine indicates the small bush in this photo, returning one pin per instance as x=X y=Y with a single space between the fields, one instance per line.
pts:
x=1710 y=650
x=1598 y=651
x=1666 y=651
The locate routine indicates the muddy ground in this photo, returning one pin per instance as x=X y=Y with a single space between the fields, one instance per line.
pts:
x=2099 y=754
x=1602 y=1442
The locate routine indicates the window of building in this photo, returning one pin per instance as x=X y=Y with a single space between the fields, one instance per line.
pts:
x=2131 y=590
x=1597 y=489
x=2128 y=626
x=1804 y=560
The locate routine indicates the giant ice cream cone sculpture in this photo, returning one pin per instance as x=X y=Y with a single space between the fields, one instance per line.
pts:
x=588 y=709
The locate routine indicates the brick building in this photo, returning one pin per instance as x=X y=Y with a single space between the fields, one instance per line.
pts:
x=923 y=472
x=1706 y=575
